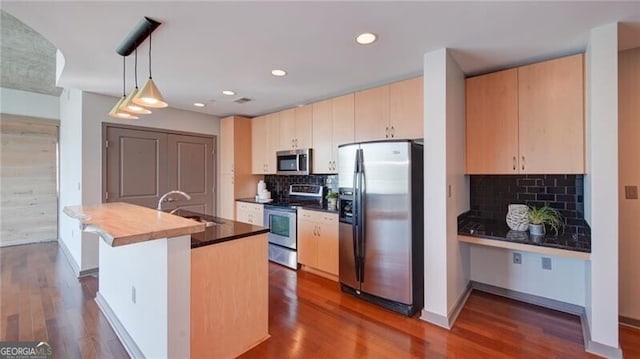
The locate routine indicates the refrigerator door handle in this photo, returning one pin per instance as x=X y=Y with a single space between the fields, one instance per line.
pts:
x=362 y=187
x=354 y=226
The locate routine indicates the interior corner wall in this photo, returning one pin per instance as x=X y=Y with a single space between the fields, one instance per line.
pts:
x=629 y=175
x=30 y=104
x=435 y=188
x=458 y=261
x=70 y=103
x=601 y=183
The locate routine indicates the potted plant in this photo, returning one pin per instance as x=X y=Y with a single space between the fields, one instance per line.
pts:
x=538 y=217
x=332 y=200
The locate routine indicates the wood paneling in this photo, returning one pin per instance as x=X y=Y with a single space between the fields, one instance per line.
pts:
x=123 y=223
x=259 y=145
x=287 y=129
x=551 y=116
x=372 y=114
x=252 y=213
x=28 y=180
x=229 y=297
x=322 y=137
x=304 y=124
x=492 y=123
x=318 y=241
x=273 y=140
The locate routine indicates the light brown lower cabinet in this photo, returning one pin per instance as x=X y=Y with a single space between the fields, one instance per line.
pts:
x=249 y=213
x=318 y=242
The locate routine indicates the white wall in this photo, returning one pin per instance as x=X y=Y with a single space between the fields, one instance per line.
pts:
x=446 y=260
x=564 y=282
x=159 y=319
x=16 y=102
x=71 y=170
x=601 y=182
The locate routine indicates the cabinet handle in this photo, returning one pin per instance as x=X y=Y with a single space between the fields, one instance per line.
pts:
x=523 y=163
x=318 y=231
x=393 y=132
x=514 y=163
x=314 y=230
x=296 y=143
x=386 y=132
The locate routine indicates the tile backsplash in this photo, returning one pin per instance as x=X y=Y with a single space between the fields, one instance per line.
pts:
x=491 y=195
x=279 y=185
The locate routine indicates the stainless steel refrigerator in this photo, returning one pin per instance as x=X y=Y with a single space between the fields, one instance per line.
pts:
x=381 y=223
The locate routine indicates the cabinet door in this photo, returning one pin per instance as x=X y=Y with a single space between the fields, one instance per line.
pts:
x=322 y=137
x=227 y=200
x=226 y=145
x=241 y=212
x=304 y=123
x=406 y=103
x=258 y=144
x=273 y=142
x=287 y=129
x=492 y=123
x=328 y=244
x=372 y=114
x=551 y=113
x=307 y=243
x=343 y=118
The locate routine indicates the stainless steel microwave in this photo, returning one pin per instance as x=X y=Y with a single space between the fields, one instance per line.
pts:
x=293 y=162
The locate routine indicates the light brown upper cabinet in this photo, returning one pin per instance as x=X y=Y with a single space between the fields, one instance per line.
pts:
x=527 y=120
x=235 y=163
x=295 y=128
x=332 y=126
x=265 y=137
x=406 y=109
x=390 y=111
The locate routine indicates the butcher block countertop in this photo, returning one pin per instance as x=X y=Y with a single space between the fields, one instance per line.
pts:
x=123 y=223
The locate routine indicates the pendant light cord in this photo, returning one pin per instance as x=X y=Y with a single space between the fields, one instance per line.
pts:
x=150 y=56
x=136 y=68
x=124 y=76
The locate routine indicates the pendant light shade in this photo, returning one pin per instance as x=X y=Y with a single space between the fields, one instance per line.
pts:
x=149 y=95
x=116 y=112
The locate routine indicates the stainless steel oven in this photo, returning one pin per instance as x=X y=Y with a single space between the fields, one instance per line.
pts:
x=282 y=223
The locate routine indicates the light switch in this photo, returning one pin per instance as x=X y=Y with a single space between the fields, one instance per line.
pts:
x=631 y=192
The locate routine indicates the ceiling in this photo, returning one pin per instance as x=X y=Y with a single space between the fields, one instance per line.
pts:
x=204 y=47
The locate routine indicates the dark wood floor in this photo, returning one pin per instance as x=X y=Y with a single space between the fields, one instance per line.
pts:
x=309 y=317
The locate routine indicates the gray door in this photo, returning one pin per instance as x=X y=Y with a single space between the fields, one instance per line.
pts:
x=191 y=170
x=136 y=169
x=387 y=221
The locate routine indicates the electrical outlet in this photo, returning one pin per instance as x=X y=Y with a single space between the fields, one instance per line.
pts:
x=133 y=294
x=546 y=263
x=517 y=258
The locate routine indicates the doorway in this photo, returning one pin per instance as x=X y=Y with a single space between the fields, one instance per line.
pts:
x=141 y=164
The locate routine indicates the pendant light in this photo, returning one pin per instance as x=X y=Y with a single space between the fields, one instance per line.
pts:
x=128 y=105
x=149 y=95
x=116 y=112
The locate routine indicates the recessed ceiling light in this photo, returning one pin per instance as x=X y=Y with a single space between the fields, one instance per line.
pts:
x=198 y=104
x=366 y=38
x=278 y=72
x=228 y=92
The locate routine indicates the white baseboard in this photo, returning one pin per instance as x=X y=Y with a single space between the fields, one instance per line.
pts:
x=20 y=242
x=448 y=321
x=129 y=344
x=603 y=350
x=74 y=265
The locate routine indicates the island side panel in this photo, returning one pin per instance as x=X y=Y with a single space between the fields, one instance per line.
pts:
x=148 y=315
x=229 y=297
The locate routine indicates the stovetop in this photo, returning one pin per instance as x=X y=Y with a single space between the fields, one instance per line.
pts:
x=300 y=195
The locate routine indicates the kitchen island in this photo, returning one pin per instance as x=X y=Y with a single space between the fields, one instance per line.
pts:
x=174 y=287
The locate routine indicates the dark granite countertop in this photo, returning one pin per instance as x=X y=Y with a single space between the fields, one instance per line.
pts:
x=224 y=230
x=498 y=230
x=313 y=206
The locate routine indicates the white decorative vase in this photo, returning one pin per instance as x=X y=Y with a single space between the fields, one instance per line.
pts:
x=518 y=217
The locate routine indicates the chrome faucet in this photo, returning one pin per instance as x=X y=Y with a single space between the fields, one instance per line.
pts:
x=162 y=199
